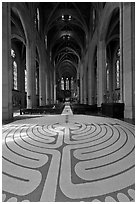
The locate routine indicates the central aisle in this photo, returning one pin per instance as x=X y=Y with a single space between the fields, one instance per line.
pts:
x=67 y=110
x=69 y=158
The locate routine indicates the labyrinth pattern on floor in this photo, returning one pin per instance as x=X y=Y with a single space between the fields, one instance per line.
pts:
x=69 y=159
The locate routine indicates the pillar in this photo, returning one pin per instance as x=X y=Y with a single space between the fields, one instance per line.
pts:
x=89 y=85
x=101 y=72
x=47 y=84
x=128 y=58
x=85 y=85
x=6 y=63
x=121 y=52
x=54 y=86
x=91 y=81
x=31 y=79
x=46 y=88
x=81 y=83
x=42 y=76
x=78 y=83
x=51 y=88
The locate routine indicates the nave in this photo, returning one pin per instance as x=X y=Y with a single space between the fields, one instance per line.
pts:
x=68 y=158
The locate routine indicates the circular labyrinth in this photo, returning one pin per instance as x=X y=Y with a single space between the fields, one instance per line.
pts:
x=79 y=160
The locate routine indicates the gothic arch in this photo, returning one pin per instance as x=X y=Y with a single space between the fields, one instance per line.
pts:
x=106 y=18
x=21 y=9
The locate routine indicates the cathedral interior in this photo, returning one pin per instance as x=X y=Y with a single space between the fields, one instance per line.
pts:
x=68 y=101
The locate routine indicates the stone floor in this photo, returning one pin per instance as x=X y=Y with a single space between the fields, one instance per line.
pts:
x=68 y=158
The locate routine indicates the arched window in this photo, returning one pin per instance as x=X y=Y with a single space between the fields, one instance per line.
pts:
x=46 y=41
x=94 y=18
x=117 y=69
x=72 y=84
x=13 y=53
x=14 y=70
x=67 y=84
x=107 y=78
x=62 y=83
x=15 y=75
x=25 y=80
x=37 y=19
x=36 y=76
x=117 y=74
x=117 y=77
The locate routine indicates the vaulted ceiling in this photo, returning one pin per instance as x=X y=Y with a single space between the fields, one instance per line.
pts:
x=66 y=26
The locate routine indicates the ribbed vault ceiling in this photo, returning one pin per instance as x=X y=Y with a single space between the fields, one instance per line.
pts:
x=66 y=27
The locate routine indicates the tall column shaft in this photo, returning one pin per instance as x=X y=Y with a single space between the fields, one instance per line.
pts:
x=31 y=78
x=89 y=85
x=54 y=86
x=128 y=58
x=101 y=72
x=51 y=88
x=78 y=84
x=47 y=87
x=91 y=81
x=81 y=83
x=121 y=51
x=42 y=76
x=85 y=86
x=6 y=63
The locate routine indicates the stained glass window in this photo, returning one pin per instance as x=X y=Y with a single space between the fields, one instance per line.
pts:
x=25 y=80
x=36 y=20
x=117 y=74
x=15 y=75
x=72 y=83
x=117 y=69
x=107 y=79
x=14 y=70
x=67 y=84
x=94 y=18
x=12 y=53
x=62 y=83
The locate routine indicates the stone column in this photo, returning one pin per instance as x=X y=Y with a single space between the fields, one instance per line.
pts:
x=78 y=83
x=54 y=86
x=128 y=58
x=81 y=83
x=89 y=85
x=47 y=87
x=42 y=76
x=6 y=63
x=51 y=88
x=121 y=52
x=31 y=79
x=91 y=80
x=85 y=85
x=101 y=72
